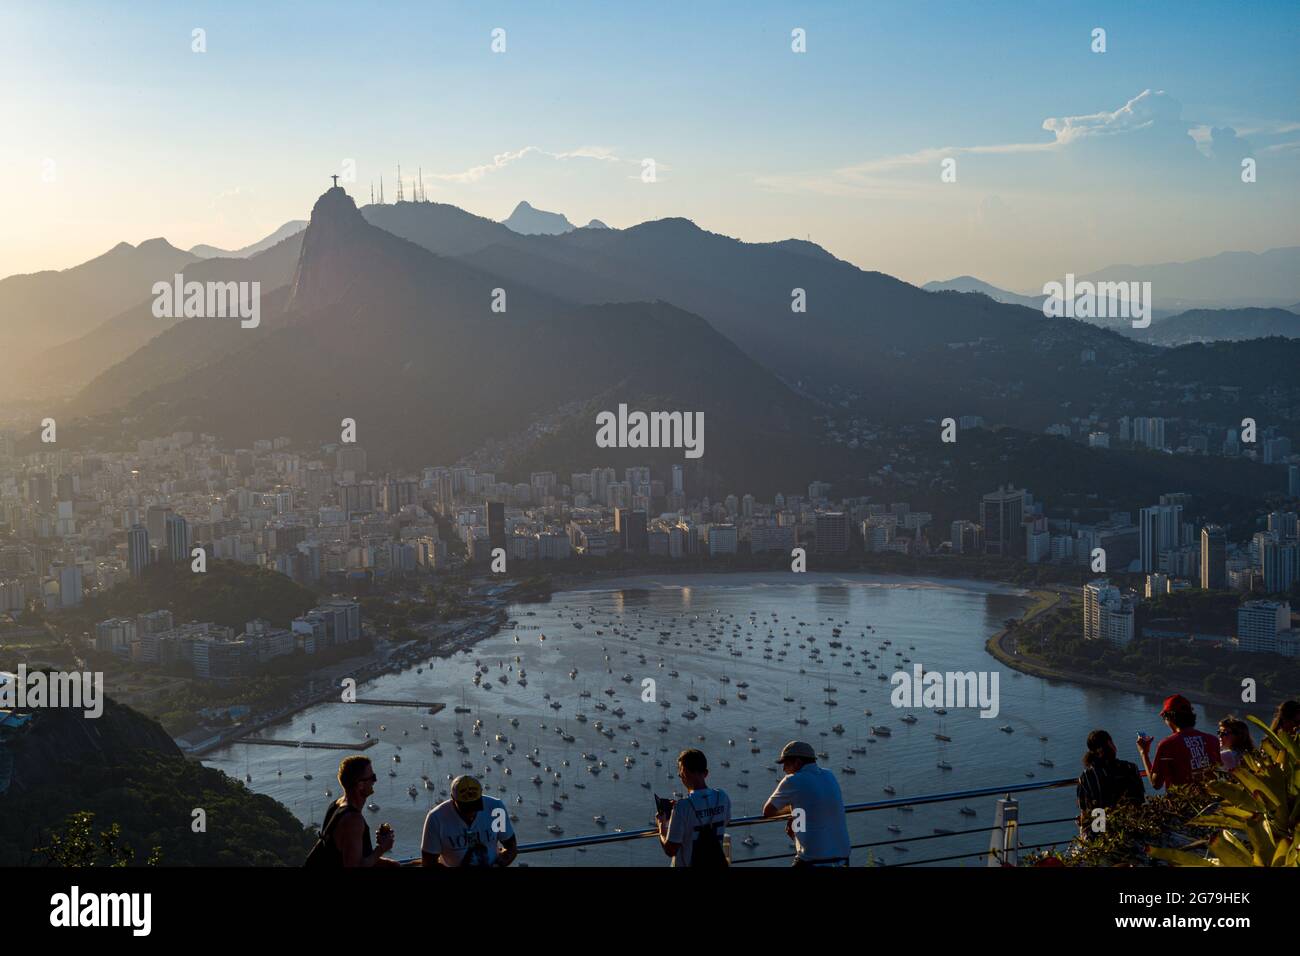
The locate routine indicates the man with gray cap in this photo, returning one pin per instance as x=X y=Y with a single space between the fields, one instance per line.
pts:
x=468 y=830
x=811 y=795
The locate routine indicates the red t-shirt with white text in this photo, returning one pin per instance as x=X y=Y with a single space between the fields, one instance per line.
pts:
x=1185 y=756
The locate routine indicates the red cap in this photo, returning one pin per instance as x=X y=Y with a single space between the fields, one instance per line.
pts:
x=1178 y=704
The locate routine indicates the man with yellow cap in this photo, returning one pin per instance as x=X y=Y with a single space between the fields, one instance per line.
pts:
x=470 y=829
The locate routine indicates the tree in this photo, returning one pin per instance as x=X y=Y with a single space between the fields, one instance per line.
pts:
x=77 y=845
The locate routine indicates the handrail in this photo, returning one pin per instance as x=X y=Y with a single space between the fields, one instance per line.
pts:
x=601 y=839
x=597 y=839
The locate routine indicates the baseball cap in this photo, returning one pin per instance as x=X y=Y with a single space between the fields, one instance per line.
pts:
x=797 y=748
x=1177 y=704
x=467 y=792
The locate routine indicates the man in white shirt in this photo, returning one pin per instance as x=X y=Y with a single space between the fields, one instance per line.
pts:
x=468 y=830
x=697 y=820
x=812 y=796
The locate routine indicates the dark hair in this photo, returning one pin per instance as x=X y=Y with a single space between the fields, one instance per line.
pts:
x=1182 y=718
x=1098 y=753
x=352 y=769
x=1287 y=710
x=693 y=761
x=1238 y=734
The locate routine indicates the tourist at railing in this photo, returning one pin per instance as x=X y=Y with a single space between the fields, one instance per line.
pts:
x=1185 y=755
x=1234 y=741
x=344 y=834
x=468 y=829
x=1286 y=720
x=691 y=832
x=812 y=796
x=1106 y=781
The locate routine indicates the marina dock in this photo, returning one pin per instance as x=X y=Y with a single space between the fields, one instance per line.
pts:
x=313 y=744
x=433 y=707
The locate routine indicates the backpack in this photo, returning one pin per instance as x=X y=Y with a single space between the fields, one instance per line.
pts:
x=706 y=850
x=324 y=854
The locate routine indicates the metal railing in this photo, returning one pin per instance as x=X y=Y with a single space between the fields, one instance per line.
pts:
x=627 y=836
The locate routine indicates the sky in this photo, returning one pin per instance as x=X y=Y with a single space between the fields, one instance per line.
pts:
x=114 y=128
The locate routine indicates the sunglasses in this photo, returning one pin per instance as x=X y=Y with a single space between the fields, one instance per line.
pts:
x=370 y=779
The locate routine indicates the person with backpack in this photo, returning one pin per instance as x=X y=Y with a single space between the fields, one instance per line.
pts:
x=1106 y=781
x=344 y=838
x=691 y=834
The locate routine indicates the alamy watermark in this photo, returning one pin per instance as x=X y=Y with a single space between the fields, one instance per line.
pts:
x=75 y=909
x=49 y=689
x=651 y=430
x=208 y=300
x=1098 y=300
x=949 y=689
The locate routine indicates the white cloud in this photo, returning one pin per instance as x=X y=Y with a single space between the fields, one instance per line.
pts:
x=881 y=177
x=1142 y=112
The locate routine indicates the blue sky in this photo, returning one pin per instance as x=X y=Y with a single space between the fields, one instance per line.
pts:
x=843 y=143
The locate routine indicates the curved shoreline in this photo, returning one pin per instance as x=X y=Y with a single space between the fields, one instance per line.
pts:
x=997 y=647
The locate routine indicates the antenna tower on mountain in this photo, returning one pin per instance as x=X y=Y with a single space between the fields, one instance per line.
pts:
x=400 y=198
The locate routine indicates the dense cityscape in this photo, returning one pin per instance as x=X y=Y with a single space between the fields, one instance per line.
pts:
x=572 y=440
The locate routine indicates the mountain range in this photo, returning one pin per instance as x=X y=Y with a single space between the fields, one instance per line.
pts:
x=291 y=228
x=1228 y=280
x=1221 y=325
x=376 y=328
x=384 y=314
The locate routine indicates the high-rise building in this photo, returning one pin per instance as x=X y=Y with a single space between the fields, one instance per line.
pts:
x=1277 y=562
x=1149 y=432
x=137 y=549
x=678 y=475
x=722 y=539
x=1259 y=624
x=1158 y=530
x=178 y=538
x=156 y=522
x=69 y=579
x=630 y=526
x=832 y=531
x=1285 y=523
x=1002 y=514
x=496 y=524
x=1214 y=558
x=1107 y=614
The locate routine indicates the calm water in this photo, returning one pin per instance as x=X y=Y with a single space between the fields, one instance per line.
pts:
x=705 y=628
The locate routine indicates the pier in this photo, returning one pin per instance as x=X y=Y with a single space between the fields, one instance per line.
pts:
x=313 y=744
x=381 y=702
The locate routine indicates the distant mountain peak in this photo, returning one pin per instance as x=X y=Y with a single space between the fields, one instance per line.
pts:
x=335 y=206
x=595 y=224
x=528 y=220
x=327 y=247
x=290 y=228
x=157 y=244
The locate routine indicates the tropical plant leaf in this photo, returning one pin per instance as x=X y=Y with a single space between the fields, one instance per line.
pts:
x=1180 y=857
x=1230 y=850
